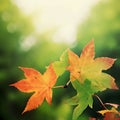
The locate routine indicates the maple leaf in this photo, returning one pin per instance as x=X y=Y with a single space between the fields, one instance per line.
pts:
x=60 y=66
x=82 y=99
x=38 y=83
x=88 y=67
x=111 y=114
x=106 y=111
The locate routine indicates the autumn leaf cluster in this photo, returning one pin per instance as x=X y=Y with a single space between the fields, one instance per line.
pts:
x=86 y=76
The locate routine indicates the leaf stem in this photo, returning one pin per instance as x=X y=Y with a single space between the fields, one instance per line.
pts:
x=63 y=86
x=66 y=85
x=100 y=101
x=68 y=82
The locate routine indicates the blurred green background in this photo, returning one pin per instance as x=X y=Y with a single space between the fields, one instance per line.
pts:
x=21 y=46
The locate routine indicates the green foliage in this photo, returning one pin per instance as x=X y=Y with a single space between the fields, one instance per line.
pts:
x=103 y=25
x=35 y=81
x=13 y=27
x=83 y=97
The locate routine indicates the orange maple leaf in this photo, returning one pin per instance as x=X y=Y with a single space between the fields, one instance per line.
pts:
x=86 y=67
x=38 y=83
x=112 y=114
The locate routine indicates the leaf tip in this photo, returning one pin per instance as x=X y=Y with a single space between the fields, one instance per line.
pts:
x=24 y=111
x=113 y=85
x=20 y=67
x=114 y=59
x=91 y=43
x=12 y=85
x=92 y=40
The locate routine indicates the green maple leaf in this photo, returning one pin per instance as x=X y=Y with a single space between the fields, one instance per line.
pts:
x=60 y=66
x=83 y=97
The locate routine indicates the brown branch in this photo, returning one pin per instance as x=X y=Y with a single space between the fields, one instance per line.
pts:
x=100 y=101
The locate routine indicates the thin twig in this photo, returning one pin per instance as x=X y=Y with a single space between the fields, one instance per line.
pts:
x=100 y=101
x=63 y=86
x=66 y=85
x=68 y=82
